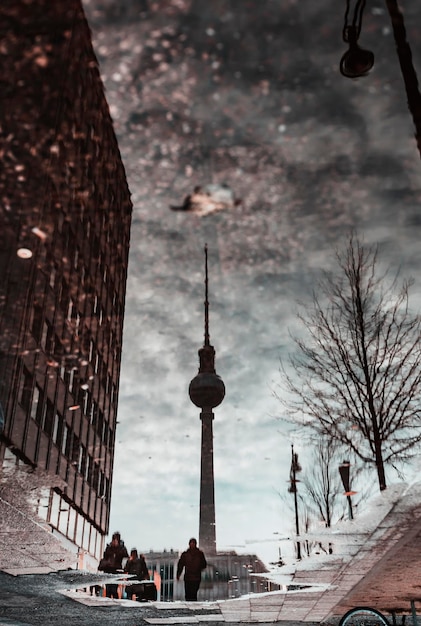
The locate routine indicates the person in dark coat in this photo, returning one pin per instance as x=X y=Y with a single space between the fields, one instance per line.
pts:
x=136 y=566
x=112 y=562
x=193 y=561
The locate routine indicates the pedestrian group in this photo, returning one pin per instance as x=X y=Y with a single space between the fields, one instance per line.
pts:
x=192 y=561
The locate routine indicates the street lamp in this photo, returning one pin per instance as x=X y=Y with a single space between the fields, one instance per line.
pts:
x=356 y=61
x=295 y=467
x=344 y=472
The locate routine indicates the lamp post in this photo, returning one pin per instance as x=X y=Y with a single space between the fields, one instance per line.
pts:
x=358 y=62
x=409 y=74
x=344 y=472
x=295 y=467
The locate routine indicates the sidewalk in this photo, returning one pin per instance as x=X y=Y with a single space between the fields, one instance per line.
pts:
x=259 y=608
x=378 y=567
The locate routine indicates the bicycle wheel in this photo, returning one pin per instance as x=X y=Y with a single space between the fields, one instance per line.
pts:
x=363 y=616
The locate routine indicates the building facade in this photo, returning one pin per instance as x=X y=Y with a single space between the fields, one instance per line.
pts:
x=64 y=241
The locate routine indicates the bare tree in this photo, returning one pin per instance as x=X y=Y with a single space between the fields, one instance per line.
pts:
x=323 y=483
x=357 y=374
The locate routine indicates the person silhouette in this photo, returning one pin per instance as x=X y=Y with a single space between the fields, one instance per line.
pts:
x=193 y=561
x=112 y=562
x=136 y=565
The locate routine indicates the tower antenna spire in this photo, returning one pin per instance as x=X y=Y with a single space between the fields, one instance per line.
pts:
x=207 y=340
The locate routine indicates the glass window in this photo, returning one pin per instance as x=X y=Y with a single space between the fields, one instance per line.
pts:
x=44 y=503
x=65 y=443
x=48 y=417
x=71 y=379
x=85 y=402
x=91 y=349
x=63 y=517
x=89 y=469
x=75 y=447
x=44 y=336
x=57 y=429
x=64 y=296
x=101 y=484
x=26 y=389
x=107 y=488
x=76 y=258
x=70 y=310
x=42 y=409
x=99 y=422
x=55 y=509
x=60 y=220
x=82 y=459
x=95 y=477
x=79 y=529
x=71 y=529
x=99 y=545
x=53 y=277
x=86 y=535
x=94 y=412
x=92 y=540
x=35 y=401
x=37 y=323
x=77 y=320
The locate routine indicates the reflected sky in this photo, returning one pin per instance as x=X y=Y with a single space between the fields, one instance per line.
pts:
x=247 y=94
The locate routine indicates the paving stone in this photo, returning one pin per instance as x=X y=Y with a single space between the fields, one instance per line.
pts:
x=172 y=620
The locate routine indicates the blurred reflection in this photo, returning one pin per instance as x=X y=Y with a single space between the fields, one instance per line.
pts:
x=356 y=61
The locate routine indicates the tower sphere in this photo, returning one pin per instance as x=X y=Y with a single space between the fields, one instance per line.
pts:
x=207 y=390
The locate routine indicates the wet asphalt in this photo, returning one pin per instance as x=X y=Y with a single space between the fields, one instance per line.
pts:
x=37 y=600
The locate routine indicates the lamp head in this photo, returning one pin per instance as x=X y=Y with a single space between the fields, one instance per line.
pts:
x=356 y=61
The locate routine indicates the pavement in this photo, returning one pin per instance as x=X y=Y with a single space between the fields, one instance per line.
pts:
x=375 y=562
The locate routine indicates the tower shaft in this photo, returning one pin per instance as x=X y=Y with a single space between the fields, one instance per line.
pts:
x=207 y=533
